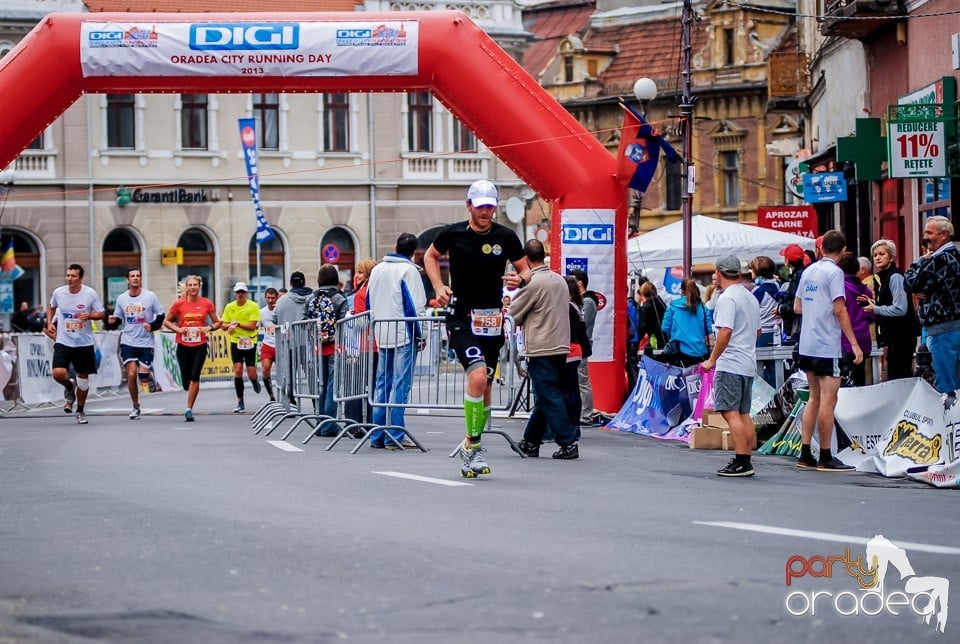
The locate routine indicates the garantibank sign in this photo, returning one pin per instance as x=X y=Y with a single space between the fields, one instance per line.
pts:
x=178 y=195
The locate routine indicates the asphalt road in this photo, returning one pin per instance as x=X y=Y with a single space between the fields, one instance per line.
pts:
x=163 y=531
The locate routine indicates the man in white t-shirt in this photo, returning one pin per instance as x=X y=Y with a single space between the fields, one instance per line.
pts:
x=268 y=348
x=74 y=306
x=737 y=320
x=141 y=314
x=822 y=302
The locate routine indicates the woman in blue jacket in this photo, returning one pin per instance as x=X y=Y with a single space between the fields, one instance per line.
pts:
x=689 y=322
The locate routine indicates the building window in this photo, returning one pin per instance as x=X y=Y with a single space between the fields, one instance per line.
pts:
x=121 y=129
x=420 y=121
x=36 y=144
x=26 y=250
x=336 y=122
x=729 y=165
x=121 y=252
x=463 y=139
x=728 y=47
x=674 y=187
x=193 y=121
x=568 y=69
x=199 y=258
x=271 y=267
x=266 y=110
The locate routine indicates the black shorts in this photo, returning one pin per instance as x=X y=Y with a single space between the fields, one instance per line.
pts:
x=829 y=367
x=247 y=356
x=143 y=355
x=191 y=361
x=473 y=349
x=83 y=359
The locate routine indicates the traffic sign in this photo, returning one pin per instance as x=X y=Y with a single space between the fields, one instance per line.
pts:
x=330 y=253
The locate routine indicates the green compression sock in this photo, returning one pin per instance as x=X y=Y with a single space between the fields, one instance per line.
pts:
x=474 y=416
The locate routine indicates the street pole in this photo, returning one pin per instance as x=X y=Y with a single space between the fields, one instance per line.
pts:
x=686 y=124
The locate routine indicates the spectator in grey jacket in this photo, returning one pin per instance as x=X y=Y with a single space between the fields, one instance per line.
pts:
x=542 y=309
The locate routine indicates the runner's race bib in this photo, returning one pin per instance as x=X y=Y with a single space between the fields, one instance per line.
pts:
x=486 y=322
x=192 y=334
x=244 y=342
x=74 y=326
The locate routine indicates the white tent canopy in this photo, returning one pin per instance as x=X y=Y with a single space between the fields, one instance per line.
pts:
x=712 y=239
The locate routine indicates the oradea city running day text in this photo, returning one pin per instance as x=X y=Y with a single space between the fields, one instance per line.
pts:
x=249 y=59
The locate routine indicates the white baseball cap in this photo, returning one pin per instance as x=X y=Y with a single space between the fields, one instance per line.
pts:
x=482 y=193
x=240 y=287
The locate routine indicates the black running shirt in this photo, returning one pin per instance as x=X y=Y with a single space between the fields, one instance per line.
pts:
x=477 y=263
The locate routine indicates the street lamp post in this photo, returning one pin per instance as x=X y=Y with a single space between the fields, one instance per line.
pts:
x=645 y=90
x=686 y=124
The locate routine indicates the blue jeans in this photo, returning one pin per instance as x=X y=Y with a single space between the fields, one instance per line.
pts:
x=945 y=349
x=547 y=376
x=394 y=378
x=327 y=406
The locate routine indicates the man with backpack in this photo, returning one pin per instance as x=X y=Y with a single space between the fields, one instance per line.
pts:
x=327 y=306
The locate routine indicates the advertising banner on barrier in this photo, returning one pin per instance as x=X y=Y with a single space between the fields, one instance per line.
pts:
x=658 y=402
x=34 y=353
x=109 y=372
x=897 y=424
x=166 y=371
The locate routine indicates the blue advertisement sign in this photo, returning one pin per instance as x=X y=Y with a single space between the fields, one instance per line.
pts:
x=576 y=264
x=824 y=187
x=657 y=404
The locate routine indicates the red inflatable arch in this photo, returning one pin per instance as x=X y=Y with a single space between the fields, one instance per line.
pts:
x=67 y=55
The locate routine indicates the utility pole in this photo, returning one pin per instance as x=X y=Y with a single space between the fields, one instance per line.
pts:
x=686 y=124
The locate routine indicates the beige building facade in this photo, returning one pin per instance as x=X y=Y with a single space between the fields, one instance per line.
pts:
x=119 y=178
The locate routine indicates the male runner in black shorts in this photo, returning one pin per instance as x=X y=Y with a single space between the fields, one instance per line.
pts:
x=479 y=252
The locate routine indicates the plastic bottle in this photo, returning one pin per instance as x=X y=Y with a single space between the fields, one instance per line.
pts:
x=777 y=337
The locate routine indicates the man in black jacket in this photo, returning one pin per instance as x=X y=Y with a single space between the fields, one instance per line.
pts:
x=936 y=277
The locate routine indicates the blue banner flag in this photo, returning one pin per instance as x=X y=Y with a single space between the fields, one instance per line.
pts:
x=658 y=403
x=248 y=138
x=639 y=151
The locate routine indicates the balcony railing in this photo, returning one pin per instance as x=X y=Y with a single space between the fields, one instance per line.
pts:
x=32 y=164
x=844 y=18
x=446 y=166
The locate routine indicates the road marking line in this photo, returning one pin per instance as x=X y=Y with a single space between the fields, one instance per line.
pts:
x=826 y=536
x=424 y=479
x=285 y=446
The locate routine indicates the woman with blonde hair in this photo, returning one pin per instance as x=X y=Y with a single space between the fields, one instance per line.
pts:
x=188 y=317
x=361 y=276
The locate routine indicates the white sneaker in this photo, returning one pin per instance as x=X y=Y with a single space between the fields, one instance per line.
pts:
x=135 y=414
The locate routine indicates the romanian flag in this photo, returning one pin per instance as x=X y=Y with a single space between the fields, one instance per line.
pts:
x=8 y=263
x=639 y=151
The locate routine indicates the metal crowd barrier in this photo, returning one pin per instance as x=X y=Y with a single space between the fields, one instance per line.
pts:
x=785 y=352
x=437 y=379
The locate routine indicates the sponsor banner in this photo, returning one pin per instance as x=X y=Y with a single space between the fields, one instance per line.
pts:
x=898 y=425
x=658 y=403
x=166 y=370
x=218 y=366
x=248 y=140
x=587 y=242
x=109 y=371
x=354 y=48
x=34 y=354
x=796 y=220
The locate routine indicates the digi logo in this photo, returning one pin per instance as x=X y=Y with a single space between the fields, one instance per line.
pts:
x=244 y=36
x=354 y=33
x=588 y=233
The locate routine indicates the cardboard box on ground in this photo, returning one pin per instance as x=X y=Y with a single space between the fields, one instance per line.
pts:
x=714 y=433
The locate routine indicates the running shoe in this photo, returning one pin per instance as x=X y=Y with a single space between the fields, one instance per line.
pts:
x=70 y=396
x=135 y=414
x=529 y=449
x=239 y=409
x=188 y=416
x=473 y=462
x=567 y=452
x=255 y=383
x=736 y=468
x=81 y=418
